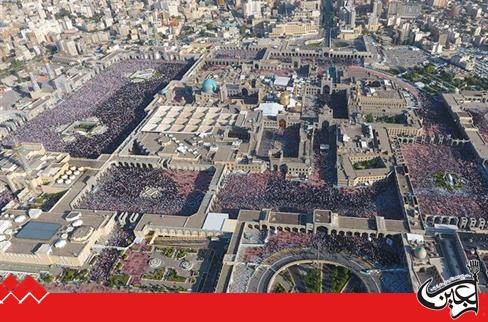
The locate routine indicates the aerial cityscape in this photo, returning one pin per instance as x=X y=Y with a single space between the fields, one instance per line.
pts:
x=243 y=146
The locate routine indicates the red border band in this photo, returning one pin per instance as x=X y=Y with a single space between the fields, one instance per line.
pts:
x=230 y=307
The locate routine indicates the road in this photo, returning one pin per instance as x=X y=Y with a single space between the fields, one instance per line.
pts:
x=327 y=19
x=263 y=275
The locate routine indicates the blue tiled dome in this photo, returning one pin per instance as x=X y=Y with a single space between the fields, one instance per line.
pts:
x=209 y=86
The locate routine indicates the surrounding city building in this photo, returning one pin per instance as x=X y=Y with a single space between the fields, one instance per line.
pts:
x=225 y=146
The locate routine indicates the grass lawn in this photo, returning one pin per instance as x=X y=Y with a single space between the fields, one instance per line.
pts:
x=441 y=182
x=47 y=200
x=73 y=275
x=374 y=163
x=118 y=280
x=173 y=276
x=156 y=275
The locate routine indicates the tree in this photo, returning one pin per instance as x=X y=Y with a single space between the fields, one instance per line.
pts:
x=429 y=69
x=339 y=277
x=17 y=64
x=313 y=281
x=279 y=289
x=62 y=13
x=369 y=118
x=46 y=277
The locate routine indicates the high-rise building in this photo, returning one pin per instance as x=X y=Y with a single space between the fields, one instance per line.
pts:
x=352 y=19
x=403 y=10
x=442 y=38
x=376 y=8
x=373 y=18
x=68 y=46
x=252 y=8
x=170 y=7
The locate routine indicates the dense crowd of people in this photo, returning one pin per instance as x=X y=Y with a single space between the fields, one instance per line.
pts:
x=436 y=120
x=324 y=171
x=425 y=160
x=136 y=262
x=271 y=190
x=133 y=262
x=111 y=97
x=324 y=62
x=100 y=270
x=120 y=237
x=376 y=251
x=480 y=120
x=286 y=140
x=5 y=197
x=247 y=54
x=142 y=190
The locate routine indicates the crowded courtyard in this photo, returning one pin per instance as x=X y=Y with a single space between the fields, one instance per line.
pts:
x=144 y=190
x=428 y=164
x=271 y=190
x=112 y=97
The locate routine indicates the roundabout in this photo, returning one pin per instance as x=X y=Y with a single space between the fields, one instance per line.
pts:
x=265 y=275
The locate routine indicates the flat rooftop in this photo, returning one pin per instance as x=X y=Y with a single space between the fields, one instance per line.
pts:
x=188 y=119
x=38 y=230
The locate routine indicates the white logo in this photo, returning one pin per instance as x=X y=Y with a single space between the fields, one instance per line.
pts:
x=460 y=293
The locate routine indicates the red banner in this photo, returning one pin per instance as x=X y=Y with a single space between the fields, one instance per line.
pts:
x=221 y=307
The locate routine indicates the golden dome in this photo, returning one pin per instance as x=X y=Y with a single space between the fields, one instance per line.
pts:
x=285 y=99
